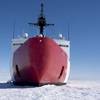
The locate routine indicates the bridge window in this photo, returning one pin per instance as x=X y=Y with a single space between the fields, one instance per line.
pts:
x=63 y=45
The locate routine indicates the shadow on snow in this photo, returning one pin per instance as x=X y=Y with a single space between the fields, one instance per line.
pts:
x=11 y=85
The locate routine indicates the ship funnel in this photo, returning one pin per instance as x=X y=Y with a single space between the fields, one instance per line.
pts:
x=41 y=21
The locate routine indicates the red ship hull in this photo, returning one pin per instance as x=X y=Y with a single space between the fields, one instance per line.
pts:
x=39 y=61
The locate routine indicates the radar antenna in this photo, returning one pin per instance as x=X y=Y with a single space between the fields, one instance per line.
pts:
x=68 y=35
x=41 y=21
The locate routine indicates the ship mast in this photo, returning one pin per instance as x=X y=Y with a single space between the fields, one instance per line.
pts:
x=41 y=21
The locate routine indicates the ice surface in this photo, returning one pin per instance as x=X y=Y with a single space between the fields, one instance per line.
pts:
x=74 y=90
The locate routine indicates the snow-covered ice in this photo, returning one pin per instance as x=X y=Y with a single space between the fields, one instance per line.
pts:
x=74 y=90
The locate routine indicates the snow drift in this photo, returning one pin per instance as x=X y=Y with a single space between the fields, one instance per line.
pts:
x=74 y=90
